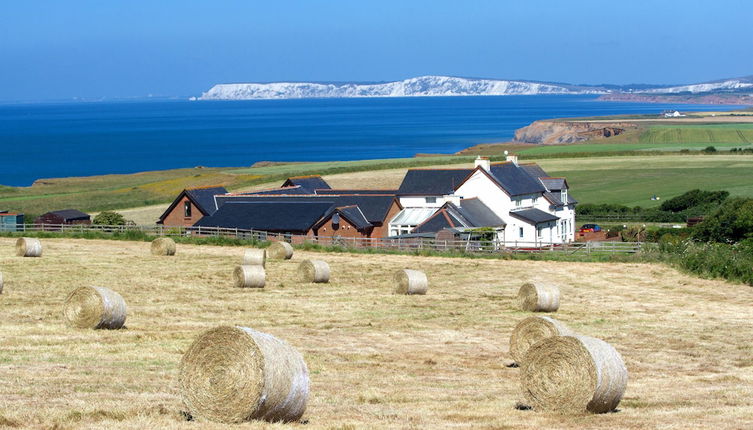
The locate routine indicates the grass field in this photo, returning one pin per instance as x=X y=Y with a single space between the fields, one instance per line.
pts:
x=376 y=360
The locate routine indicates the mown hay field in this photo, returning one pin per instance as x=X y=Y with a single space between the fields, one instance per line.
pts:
x=377 y=360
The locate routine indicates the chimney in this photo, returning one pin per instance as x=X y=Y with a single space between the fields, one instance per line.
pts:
x=483 y=162
x=511 y=157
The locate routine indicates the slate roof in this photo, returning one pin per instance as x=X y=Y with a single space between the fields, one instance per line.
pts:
x=554 y=184
x=472 y=213
x=515 y=179
x=351 y=213
x=478 y=214
x=308 y=183
x=274 y=216
x=556 y=200
x=355 y=191
x=436 y=182
x=203 y=198
x=534 y=170
x=70 y=214
x=534 y=216
x=374 y=207
x=292 y=190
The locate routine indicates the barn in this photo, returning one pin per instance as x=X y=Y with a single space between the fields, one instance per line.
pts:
x=66 y=216
x=191 y=205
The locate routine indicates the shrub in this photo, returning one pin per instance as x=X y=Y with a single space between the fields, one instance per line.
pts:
x=109 y=218
x=731 y=222
x=693 y=198
x=709 y=149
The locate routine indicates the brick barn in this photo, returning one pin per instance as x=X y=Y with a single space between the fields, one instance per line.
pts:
x=191 y=205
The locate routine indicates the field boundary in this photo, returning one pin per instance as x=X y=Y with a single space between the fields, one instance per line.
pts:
x=355 y=243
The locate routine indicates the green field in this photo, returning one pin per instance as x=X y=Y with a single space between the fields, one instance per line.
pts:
x=633 y=180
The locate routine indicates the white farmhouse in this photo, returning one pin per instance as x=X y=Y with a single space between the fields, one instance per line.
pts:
x=521 y=203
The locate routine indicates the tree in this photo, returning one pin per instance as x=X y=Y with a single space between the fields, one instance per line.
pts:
x=109 y=218
x=731 y=223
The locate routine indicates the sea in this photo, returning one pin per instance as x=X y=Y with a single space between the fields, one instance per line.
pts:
x=51 y=140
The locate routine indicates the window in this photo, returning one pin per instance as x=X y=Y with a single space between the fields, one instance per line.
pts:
x=187 y=209
x=518 y=203
x=535 y=200
x=520 y=232
x=431 y=199
x=563 y=196
x=539 y=232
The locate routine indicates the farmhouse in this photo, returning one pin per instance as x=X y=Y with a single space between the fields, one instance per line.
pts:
x=507 y=202
x=67 y=216
x=191 y=205
x=532 y=206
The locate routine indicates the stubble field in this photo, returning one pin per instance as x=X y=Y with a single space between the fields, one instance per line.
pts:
x=377 y=360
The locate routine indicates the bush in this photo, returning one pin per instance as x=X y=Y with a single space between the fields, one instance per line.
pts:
x=693 y=198
x=709 y=149
x=731 y=222
x=109 y=218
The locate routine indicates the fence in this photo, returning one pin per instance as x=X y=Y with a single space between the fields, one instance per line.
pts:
x=397 y=244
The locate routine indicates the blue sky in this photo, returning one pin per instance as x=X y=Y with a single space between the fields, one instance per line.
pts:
x=51 y=49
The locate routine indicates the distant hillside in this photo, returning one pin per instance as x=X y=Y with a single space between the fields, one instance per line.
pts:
x=427 y=86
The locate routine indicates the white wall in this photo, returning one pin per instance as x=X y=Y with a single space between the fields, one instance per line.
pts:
x=420 y=202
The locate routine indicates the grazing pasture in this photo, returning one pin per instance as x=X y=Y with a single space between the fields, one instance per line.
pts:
x=376 y=359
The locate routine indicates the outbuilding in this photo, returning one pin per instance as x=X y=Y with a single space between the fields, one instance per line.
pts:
x=66 y=216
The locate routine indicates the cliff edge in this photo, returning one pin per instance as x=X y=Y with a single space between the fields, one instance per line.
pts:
x=548 y=132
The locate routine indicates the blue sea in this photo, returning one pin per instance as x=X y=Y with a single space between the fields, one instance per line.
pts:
x=81 y=139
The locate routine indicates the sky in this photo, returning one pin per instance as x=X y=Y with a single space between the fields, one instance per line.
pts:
x=58 y=50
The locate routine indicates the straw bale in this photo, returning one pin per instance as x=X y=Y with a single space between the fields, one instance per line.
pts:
x=95 y=307
x=573 y=374
x=163 y=246
x=236 y=374
x=255 y=257
x=531 y=330
x=280 y=251
x=249 y=276
x=408 y=281
x=28 y=247
x=314 y=271
x=537 y=297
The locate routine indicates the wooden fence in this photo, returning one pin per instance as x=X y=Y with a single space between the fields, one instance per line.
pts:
x=398 y=244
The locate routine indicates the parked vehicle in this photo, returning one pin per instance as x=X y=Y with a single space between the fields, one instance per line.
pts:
x=589 y=228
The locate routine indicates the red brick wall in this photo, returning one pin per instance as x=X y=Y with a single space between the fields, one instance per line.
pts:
x=176 y=218
x=346 y=229
x=384 y=229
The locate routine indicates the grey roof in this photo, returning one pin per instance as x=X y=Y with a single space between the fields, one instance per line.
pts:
x=291 y=190
x=472 y=213
x=479 y=214
x=374 y=207
x=556 y=200
x=412 y=216
x=534 y=170
x=70 y=214
x=515 y=179
x=308 y=183
x=203 y=198
x=554 y=184
x=534 y=216
x=355 y=191
x=274 y=216
x=436 y=182
x=354 y=215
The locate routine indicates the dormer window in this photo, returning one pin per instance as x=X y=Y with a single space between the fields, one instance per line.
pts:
x=563 y=196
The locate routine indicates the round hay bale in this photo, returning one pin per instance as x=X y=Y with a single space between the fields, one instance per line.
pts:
x=249 y=276
x=539 y=297
x=314 y=271
x=280 y=251
x=163 y=246
x=411 y=282
x=573 y=374
x=95 y=307
x=28 y=247
x=255 y=257
x=531 y=330
x=235 y=374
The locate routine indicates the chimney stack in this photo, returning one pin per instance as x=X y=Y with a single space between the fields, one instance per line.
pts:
x=511 y=157
x=483 y=162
